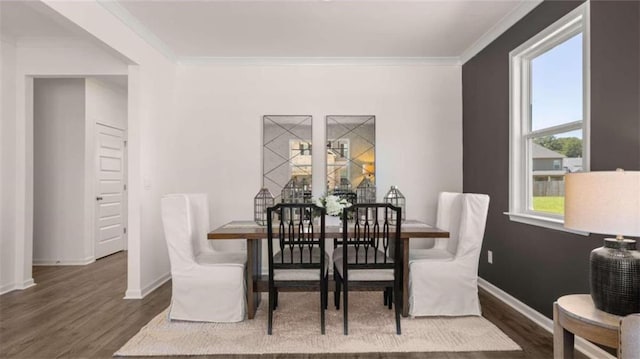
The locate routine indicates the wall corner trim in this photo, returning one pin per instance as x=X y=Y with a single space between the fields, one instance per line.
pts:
x=141 y=293
x=136 y=26
x=585 y=347
x=498 y=29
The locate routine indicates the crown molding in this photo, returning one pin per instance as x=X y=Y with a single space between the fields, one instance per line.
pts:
x=148 y=36
x=53 y=42
x=499 y=28
x=136 y=26
x=280 y=61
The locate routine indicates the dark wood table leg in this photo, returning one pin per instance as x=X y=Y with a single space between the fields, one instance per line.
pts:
x=254 y=269
x=405 y=277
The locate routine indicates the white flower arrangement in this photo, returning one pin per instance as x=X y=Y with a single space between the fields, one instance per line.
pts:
x=333 y=204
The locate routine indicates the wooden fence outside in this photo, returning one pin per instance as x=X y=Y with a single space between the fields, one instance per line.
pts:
x=548 y=188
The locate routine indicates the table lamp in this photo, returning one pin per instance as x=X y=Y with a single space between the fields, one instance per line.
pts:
x=608 y=202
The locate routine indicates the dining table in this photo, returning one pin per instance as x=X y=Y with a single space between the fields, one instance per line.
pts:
x=254 y=233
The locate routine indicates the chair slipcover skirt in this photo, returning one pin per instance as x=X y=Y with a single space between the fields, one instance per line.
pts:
x=207 y=285
x=215 y=294
x=448 y=293
x=444 y=280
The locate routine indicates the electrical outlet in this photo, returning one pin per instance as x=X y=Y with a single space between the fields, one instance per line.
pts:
x=490 y=257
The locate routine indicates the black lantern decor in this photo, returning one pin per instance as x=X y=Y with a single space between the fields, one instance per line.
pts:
x=395 y=197
x=366 y=191
x=292 y=192
x=262 y=201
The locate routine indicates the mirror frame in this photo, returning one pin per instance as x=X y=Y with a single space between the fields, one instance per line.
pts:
x=287 y=158
x=371 y=172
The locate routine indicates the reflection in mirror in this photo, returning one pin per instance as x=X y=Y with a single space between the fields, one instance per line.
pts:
x=286 y=154
x=351 y=162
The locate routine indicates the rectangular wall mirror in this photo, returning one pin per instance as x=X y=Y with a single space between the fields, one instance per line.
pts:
x=286 y=157
x=351 y=157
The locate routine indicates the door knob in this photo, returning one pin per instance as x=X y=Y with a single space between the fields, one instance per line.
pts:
x=98 y=198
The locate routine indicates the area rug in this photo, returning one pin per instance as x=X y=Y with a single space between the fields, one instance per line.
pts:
x=296 y=330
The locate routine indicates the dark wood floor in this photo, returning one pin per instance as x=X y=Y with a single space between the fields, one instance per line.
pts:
x=78 y=312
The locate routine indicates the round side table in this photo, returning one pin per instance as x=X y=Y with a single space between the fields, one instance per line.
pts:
x=576 y=315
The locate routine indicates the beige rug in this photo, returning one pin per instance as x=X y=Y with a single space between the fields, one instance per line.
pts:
x=296 y=329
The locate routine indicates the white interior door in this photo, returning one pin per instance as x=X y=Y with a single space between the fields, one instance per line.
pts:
x=111 y=191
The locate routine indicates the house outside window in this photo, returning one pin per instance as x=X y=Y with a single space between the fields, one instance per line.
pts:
x=549 y=114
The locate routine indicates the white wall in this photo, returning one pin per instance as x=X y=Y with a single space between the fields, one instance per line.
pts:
x=51 y=58
x=203 y=133
x=106 y=102
x=65 y=114
x=59 y=173
x=7 y=164
x=150 y=89
x=213 y=144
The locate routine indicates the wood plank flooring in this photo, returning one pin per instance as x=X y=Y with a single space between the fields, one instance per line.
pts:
x=78 y=312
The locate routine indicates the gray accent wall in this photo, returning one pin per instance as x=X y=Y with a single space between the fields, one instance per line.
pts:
x=537 y=265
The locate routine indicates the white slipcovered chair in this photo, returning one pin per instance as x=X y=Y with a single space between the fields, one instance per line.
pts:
x=443 y=280
x=208 y=286
x=229 y=249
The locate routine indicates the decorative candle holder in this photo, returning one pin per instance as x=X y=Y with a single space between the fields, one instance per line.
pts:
x=395 y=197
x=292 y=192
x=262 y=201
x=366 y=191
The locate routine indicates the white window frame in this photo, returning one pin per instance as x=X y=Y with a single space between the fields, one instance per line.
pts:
x=520 y=179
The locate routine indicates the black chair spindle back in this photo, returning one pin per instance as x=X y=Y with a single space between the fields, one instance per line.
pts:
x=296 y=242
x=370 y=241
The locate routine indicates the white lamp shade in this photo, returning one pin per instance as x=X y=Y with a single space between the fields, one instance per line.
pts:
x=603 y=202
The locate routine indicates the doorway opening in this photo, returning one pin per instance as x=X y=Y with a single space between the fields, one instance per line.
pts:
x=79 y=172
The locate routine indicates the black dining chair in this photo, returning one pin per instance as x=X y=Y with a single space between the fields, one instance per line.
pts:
x=297 y=257
x=369 y=256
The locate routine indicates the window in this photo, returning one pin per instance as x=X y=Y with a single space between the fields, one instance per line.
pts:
x=549 y=117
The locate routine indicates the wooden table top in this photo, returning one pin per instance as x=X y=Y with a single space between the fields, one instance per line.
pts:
x=581 y=307
x=252 y=230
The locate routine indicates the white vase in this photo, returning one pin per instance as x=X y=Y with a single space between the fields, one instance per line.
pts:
x=332 y=221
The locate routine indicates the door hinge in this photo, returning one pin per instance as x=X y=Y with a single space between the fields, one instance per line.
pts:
x=125 y=187
x=125 y=143
x=125 y=230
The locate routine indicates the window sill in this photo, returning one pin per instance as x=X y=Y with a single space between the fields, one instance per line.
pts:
x=541 y=221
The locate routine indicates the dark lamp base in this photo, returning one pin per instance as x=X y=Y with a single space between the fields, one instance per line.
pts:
x=615 y=277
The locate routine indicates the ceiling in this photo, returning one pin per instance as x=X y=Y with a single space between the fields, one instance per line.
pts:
x=315 y=28
x=206 y=30
x=31 y=20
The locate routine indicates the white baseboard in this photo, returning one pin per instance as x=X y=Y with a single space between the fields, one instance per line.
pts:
x=139 y=294
x=9 y=287
x=585 y=347
x=27 y=284
x=155 y=284
x=133 y=294
x=56 y=262
x=6 y=288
